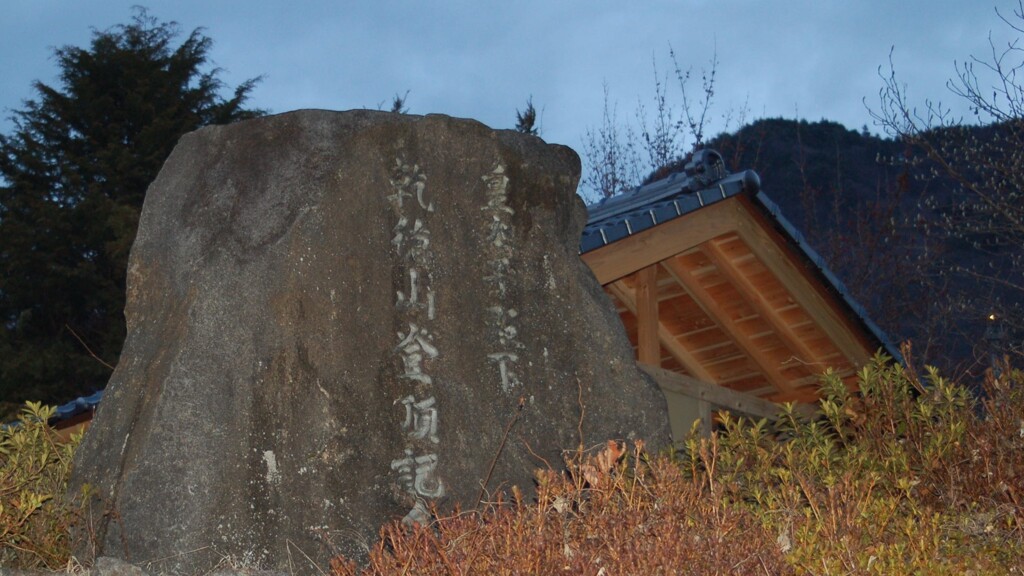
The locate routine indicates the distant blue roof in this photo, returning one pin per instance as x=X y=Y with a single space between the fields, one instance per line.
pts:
x=704 y=181
x=71 y=409
x=77 y=406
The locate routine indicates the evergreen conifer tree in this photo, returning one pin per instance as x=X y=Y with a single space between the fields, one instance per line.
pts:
x=73 y=176
x=527 y=119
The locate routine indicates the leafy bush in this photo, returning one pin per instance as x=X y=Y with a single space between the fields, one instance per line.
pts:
x=905 y=476
x=35 y=518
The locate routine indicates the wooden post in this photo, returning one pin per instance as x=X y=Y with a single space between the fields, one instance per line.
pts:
x=706 y=414
x=648 y=346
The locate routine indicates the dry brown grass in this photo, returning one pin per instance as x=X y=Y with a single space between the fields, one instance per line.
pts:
x=616 y=511
x=908 y=476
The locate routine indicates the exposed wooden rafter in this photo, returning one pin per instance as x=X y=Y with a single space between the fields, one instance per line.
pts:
x=714 y=311
x=754 y=230
x=792 y=327
x=752 y=296
x=686 y=359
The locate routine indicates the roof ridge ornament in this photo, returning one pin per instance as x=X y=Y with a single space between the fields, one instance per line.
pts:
x=705 y=167
x=702 y=180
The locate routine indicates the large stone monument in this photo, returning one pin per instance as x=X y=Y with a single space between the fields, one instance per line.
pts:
x=332 y=319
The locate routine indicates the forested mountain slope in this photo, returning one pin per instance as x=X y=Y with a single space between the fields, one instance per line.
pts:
x=874 y=209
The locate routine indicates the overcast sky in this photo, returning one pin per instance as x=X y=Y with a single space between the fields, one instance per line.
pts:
x=810 y=59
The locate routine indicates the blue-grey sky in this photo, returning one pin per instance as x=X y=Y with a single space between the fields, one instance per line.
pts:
x=811 y=59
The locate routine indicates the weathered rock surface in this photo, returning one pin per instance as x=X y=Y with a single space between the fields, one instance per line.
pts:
x=107 y=566
x=332 y=318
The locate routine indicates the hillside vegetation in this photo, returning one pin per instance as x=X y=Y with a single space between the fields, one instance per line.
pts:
x=879 y=212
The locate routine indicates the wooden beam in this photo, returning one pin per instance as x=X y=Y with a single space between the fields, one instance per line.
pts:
x=757 y=301
x=762 y=391
x=712 y=393
x=668 y=341
x=753 y=227
x=647 y=319
x=619 y=259
x=714 y=310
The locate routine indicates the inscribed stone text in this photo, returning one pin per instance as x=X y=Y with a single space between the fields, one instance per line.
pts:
x=420 y=418
x=499 y=262
x=418 y=474
x=418 y=469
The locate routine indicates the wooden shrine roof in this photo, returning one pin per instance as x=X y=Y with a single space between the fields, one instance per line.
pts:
x=712 y=282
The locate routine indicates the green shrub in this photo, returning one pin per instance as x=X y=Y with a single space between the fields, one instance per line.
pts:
x=35 y=517
x=906 y=476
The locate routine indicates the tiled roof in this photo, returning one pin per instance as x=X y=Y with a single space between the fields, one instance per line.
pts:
x=71 y=409
x=77 y=406
x=704 y=181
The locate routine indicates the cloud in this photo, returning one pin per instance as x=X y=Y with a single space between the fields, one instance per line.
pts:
x=483 y=59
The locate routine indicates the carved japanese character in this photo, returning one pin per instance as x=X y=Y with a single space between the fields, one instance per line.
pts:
x=413 y=347
x=427 y=483
x=505 y=360
x=406 y=468
x=418 y=474
x=421 y=418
